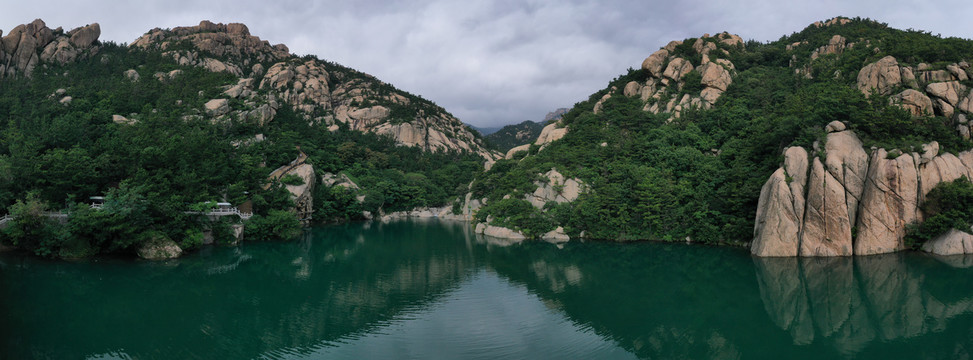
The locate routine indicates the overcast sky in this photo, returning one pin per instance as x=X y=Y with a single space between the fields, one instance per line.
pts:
x=489 y=62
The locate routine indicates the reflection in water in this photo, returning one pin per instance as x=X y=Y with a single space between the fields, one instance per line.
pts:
x=429 y=289
x=226 y=302
x=852 y=302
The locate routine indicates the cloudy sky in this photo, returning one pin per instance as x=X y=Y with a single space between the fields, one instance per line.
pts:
x=489 y=62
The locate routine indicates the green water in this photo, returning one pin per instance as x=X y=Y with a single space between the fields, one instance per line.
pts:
x=432 y=290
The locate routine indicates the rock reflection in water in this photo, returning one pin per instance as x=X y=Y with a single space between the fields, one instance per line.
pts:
x=851 y=302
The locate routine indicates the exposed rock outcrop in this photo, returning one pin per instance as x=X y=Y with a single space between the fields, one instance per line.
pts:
x=847 y=162
x=302 y=193
x=880 y=77
x=953 y=242
x=827 y=229
x=776 y=230
x=836 y=45
x=321 y=92
x=29 y=45
x=552 y=132
x=917 y=103
x=217 y=107
x=666 y=69
x=877 y=195
x=159 y=248
x=499 y=232
x=890 y=202
x=932 y=92
x=340 y=180
x=558 y=189
x=233 y=40
x=556 y=236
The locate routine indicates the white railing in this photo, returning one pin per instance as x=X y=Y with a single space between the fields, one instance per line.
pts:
x=64 y=213
x=223 y=212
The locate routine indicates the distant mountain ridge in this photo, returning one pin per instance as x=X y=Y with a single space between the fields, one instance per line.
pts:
x=510 y=136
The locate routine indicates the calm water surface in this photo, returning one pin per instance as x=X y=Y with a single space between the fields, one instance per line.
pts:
x=432 y=290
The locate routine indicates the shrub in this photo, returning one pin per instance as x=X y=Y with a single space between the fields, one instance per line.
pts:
x=276 y=225
x=292 y=179
x=948 y=205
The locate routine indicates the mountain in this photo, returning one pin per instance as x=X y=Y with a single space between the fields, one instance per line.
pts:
x=858 y=127
x=183 y=118
x=511 y=136
x=487 y=130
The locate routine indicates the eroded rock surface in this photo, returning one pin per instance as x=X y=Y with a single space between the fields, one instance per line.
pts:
x=877 y=195
x=26 y=46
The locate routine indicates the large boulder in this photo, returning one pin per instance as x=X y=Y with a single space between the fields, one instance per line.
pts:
x=835 y=46
x=500 y=232
x=890 y=202
x=84 y=36
x=677 y=68
x=556 y=236
x=943 y=168
x=966 y=104
x=551 y=133
x=949 y=91
x=953 y=242
x=715 y=76
x=827 y=229
x=159 y=248
x=848 y=163
x=653 y=64
x=917 y=103
x=510 y=153
x=778 y=224
x=730 y=39
x=880 y=77
x=132 y=74
x=217 y=107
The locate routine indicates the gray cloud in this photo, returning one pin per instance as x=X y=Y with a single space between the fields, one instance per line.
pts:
x=490 y=62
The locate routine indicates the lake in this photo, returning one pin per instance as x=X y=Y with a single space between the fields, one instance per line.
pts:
x=434 y=290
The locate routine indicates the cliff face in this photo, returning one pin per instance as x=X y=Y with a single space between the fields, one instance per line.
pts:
x=877 y=195
x=324 y=93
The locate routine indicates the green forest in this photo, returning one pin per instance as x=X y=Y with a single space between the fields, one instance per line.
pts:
x=54 y=157
x=698 y=177
x=511 y=136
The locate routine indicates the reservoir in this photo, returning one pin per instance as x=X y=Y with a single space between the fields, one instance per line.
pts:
x=426 y=289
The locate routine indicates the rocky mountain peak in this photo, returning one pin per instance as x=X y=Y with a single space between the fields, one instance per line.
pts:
x=26 y=46
x=325 y=93
x=692 y=73
x=220 y=40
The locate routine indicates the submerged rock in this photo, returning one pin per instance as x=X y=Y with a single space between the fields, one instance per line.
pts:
x=556 y=236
